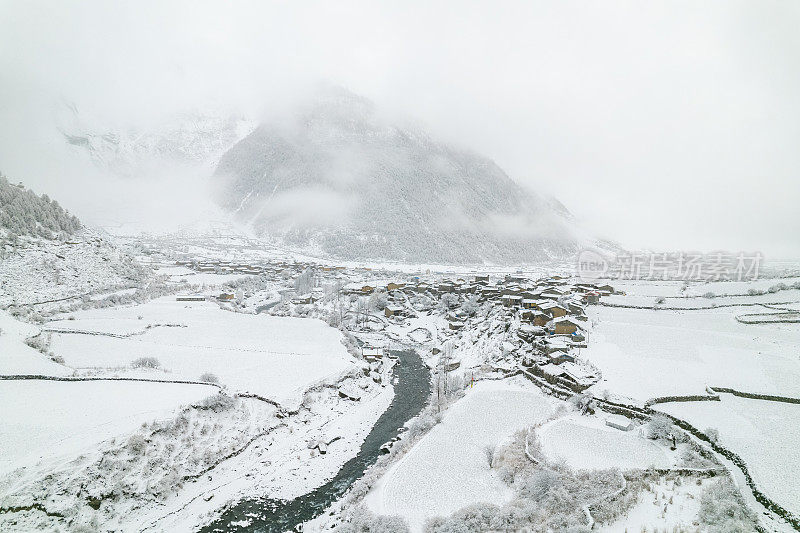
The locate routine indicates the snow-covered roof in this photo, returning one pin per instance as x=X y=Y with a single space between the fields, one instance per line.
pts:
x=557 y=343
x=618 y=420
x=579 y=373
x=552 y=370
x=566 y=319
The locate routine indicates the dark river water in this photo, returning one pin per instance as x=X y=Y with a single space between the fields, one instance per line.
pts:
x=267 y=515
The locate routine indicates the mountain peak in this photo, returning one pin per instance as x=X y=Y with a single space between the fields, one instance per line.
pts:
x=338 y=181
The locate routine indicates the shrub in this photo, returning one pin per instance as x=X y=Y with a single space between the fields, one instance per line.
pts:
x=146 y=362
x=723 y=510
x=217 y=402
x=208 y=377
x=137 y=444
x=362 y=520
x=709 y=294
x=470 y=306
x=476 y=517
x=448 y=301
x=712 y=434
x=659 y=427
x=488 y=452
x=378 y=301
x=40 y=342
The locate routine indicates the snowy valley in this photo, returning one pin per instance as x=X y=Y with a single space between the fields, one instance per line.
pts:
x=215 y=384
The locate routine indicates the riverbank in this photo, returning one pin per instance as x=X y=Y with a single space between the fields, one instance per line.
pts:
x=412 y=388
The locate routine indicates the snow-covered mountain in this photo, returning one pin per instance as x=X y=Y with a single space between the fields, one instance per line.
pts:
x=337 y=179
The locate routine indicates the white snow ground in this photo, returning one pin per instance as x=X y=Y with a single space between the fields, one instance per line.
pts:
x=276 y=357
x=447 y=469
x=646 y=353
x=669 y=507
x=763 y=433
x=586 y=443
x=16 y=357
x=50 y=419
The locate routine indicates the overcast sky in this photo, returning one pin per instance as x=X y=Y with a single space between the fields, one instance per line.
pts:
x=670 y=125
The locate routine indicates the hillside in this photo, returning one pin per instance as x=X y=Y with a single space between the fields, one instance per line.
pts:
x=46 y=253
x=336 y=179
x=23 y=212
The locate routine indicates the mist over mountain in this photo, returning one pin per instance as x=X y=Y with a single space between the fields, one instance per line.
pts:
x=183 y=139
x=336 y=179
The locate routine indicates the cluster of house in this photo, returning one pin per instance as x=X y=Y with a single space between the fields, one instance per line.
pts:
x=547 y=315
x=221 y=266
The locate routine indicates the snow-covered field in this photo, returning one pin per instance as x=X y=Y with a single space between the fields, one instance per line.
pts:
x=646 y=353
x=51 y=419
x=586 y=443
x=763 y=433
x=447 y=469
x=16 y=357
x=275 y=357
x=669 y=507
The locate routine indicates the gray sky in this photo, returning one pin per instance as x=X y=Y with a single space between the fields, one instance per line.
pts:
x=673 y=125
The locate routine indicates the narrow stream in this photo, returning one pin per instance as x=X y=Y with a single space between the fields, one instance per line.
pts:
x=267 y=515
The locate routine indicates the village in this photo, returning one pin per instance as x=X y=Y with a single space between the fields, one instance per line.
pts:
x=541 y=323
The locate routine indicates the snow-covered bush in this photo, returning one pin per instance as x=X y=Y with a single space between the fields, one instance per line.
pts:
x=470 y=306
x=448 y=301
x=217 y=402
x=778 y=287
x=334 y=319
x=476 y=517
x=137 y=444
x=146 y=362
x=709 y=295
x=40 y=343
x=378 y=301
x=208 y=377
x=712 y=434
x=350 y=342
x=362 y=520
x=424 y=422
x=488 y=453
x=659 y=427
x=510 y=460
x=540 y=483
x=304 y=282
x=723 y=510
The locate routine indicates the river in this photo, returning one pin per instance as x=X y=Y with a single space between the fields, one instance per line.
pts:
x=268 y=515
